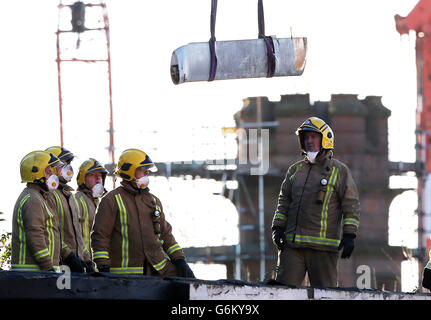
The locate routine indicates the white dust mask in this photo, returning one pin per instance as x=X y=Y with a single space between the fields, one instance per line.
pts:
x=52 y=182
x=67 y=172
x=312 y=156
x=98 y=190
x=142 y=182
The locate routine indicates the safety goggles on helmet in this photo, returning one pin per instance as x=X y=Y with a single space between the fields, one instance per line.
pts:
x=316 y=125
x=33 y=165
x=90 y=166
x=130 y=160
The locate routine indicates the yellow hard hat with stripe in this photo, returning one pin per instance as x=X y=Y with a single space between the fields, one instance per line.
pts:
x=33 y=165
x=61 y=153
x=89 y=166
x=130 y=160
x=317 y=125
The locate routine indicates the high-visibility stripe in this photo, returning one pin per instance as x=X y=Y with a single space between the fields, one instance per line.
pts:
x=77 y=204
x=29 y=267
x=329 y=189
x=280 y=216
x=51 y=237
x=64 y=245
x=84 y=250
x=85 y=225
x=298 y=167
x=124 y=232
x=25 y=267
x=173 y=248
x=130 y=270
x=22 y=238
x=160 y=265
x=41 y=254
x=314 y=240
x=101 y=255
x=351 y=221
x=60 y=211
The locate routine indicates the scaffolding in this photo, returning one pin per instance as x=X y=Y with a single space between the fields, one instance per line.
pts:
x=78 y=15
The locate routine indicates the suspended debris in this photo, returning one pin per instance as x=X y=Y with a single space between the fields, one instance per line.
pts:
x=238 y=59
x=264 y=57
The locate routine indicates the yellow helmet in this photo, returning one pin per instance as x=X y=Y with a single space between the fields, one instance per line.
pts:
x=62 y=153
x=33 y=165
x=130 y=160
x=89 y=166
x=317 y=125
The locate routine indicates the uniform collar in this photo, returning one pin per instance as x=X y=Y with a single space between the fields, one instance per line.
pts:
x=65 y=188
x=39 y=187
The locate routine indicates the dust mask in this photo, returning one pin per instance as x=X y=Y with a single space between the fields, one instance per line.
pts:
x=142 y=182
x=312 y=156
x=67 y=172
x=53 y=182
x=97 y=190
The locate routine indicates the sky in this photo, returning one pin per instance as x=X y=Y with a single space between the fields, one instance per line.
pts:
x=353 y=48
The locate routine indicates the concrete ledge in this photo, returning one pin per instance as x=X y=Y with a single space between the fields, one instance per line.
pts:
x=208 y=291
x=106 y=286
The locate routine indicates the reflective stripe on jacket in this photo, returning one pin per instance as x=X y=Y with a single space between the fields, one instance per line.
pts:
x=69 y=224
x=87 y=206
x=316 y=201
x=35 y=234
x=124 y=236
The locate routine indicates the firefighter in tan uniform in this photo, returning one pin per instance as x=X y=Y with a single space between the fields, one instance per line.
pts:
x=36 y=243
x=75 y=256
x=91 y=181
x=130 y=233
x=318 y=204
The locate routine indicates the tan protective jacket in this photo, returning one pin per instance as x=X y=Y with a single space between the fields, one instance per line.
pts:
x=125 y=234
x=36 y=241
x=86 y=205
x=69 y=220
x=316 y=201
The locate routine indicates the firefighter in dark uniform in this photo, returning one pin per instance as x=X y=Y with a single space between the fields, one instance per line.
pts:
x=317 y=213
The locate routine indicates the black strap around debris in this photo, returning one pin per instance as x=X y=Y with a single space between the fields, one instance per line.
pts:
x=261 y=23
x=268 y=40
x=213 y=66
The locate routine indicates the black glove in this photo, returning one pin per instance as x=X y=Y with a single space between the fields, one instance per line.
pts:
x=426 y=282
x=348 y=243
x=75 y=263
x=278 y=237
x=89 y=267
x=183 y=269
x=103 y=268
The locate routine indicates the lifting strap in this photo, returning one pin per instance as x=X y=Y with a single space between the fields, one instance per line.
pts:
x=268 y=40
x=213 y=66
x=261 y=24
